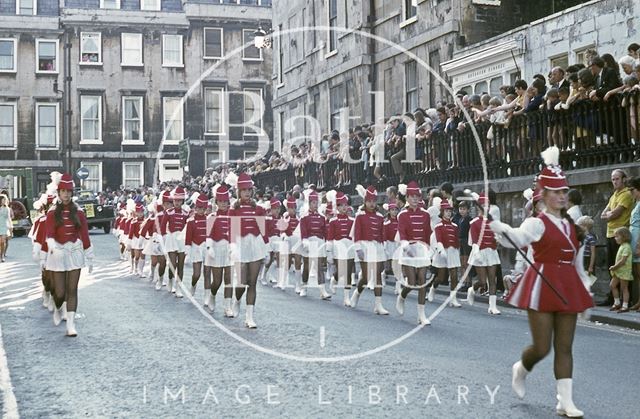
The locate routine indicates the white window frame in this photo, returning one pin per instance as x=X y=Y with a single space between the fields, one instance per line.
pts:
x=408 y=21
x=221 y=93
x=92 y=163
x=245 y=49
x=57 y=59
x=244 y=111
x=124 y=171
x=164 y=119
x=207 y=161
x=204 y=43
x=15 y=55
x=145 y=6
x=126 y=141
x=110 y=8
x=328 y=51
x=164 y=57
x=415 y=89
x=99 y=62
x=57 y=106
x=122 y=43
x=164 y=163
x=91 y=140
x=252 y=155
x=35 y=8
x=15 y=126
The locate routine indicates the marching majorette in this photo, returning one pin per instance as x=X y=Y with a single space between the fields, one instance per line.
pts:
x=390 y=243
x=446 y=257
x=555 y=288
x=290 y=249
x=126 y=227
x=217 y=258
x=137 y=240
x=340 y=241
x=369 y=245
x=250 y=247
x=38 y=234
x=414 y=232
x=153 y=246
x=273 y=236
x=313 y=233
x=167 y=204
x=196 y=244
x=174 y=222
x=484 y=256
x=118 y=227
x=69 y=251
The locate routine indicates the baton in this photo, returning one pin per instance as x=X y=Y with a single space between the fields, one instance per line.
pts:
x=546 y=281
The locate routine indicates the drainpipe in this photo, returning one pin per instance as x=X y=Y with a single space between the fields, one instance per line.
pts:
x=371 y=18
x=66 y=97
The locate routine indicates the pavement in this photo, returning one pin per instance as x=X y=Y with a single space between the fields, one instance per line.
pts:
x=146 y=354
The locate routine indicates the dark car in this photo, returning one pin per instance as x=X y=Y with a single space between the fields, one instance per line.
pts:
x=21 y=220
x=99 y=216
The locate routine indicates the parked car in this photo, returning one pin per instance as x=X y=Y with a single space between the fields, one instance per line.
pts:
x=98 y=215
x=21 y=221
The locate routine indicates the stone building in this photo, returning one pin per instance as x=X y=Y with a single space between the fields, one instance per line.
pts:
x=138 y=77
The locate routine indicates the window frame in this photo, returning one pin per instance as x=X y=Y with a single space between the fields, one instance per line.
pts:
x=328 y=51
x=207 y=153
x=91 y=141
x=143 y=2
x=221 y=91
x=122 y=37
x=244 y=50
x=165 y=162
x=15 y=55
x=414 y=90
x=408 y=20
x=204 y=43
x=140 y=164
x=57 y=59
x=244 y=111
x=57 y=119
x=118 y=5
x=92 y=163
x=89 y=63
x=35 y=8
x=124 y=140
x=164 y=64
x=164 y=118
x=14 y=146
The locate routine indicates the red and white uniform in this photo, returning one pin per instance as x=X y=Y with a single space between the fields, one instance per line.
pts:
x=125 y=223
x=151 y=233
x=38 y=235
x=446 y=245
x=557 y=256
x=218 y=240
x=173 y=227
x=195 y=237
x=414 y=232
x=273 y=234
x=483 y=248
x=250 y=244
x=390 y=232
x=339 y=237
x=292 y=236
x=135 y=237
x=69 y=246
x=368 y=235
x=313 y=232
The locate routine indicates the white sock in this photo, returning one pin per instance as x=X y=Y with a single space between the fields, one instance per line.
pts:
x=616 y=301
x=625 y=305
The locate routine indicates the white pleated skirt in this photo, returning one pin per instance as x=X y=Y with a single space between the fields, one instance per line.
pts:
x=390 y=248
x=250 y=249
x=137 y=243
x=373 y=251
x=293 y=246
x=344 y=249
x=275 y=243
x=174 y=242
x=316 y=248
x=197 y=252
x=485 y=257
x=153 y=247
x=421 y=256
x=66 y=257
x=217 y=255
x=449 y=259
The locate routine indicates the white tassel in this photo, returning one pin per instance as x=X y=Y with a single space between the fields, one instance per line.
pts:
x=152 y=206
x=231 y=179
x=528 y=194
x=402 y=188
x=214 y=190
x=475 y=196
x=361 y=191
x=551 y=156
x=56 y=177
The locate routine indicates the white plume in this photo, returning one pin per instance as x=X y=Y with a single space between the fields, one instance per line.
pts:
x=152 y=206
x=361 y=191
x=231 y=179
x=131 y=205
x=331 y=197
x=214 y=190
x=551 y=156
x=39 y=203
x=56 y=177
x=436 y=201
x=475 y=196
x=266 y=205
x=528 y=194
x=402 y=188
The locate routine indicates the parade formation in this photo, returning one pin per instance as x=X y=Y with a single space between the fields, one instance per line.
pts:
x=233 y=241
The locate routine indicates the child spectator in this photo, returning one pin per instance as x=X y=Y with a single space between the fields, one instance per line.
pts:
x=586 y=223
x=621 y=271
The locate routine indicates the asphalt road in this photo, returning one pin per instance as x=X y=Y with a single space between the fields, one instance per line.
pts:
x=145 y=353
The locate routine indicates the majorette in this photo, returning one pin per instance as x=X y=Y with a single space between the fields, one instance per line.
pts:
x=174 y=223
x=446 y=257
x=313 y=233
x=195 y=243
x=218 y=249
x=340 y=242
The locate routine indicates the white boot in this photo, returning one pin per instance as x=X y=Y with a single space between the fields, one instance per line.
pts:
x=298 y=276
x=303 y=290
x=171 y=286
x=141 y=268
x=63 y=311
x=207 y=299
x=493 y=308
x=400 y=305
x=453 y=302
x=193 y=290
x=159 y=283
x=432 y=293
x=57 y=316
x=347 y=299
x=323 y=293
x=235 y=308
x=165 y=281
x=45 y=299
x=398 y=287
x=518 y=376
x=152 y=275
x=178 y=286
x=378 y=309
x=332 y=285
x=354 y=298
x=263 y=275
x=248 y=321
x=422 y=318
x=227 y=308
x=71 y=329
x=51 y=305
x=565 y=399
x=471 y=296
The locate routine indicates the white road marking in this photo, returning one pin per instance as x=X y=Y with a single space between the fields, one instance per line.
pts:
x=10 y=405
x=322 y=336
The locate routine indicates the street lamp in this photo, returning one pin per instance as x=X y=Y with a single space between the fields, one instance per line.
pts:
x=261 y=39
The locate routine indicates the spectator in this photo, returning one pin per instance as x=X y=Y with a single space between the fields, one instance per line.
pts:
x=632 y=49
x=605 y=78
x=398 y=144
x=557 y=78
x=620 y=272
x=590 y=240
x=634 y=228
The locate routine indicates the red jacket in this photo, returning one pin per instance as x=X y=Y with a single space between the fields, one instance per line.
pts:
x=173 y=220
x=390 y=229
x=293 y=224
x=488 y=239
x=67 y=232
x=340 y=227
x=221 y=227
x=249 y=225
x=196 y=230
x=272 y=229
x=126 y=225
x=414 y=225
x=313 y=225
x=447 y=233
x=368 y=226
x=135 y=229
x=40 y=232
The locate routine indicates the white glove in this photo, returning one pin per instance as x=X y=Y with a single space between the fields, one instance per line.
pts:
x=409 y=251
x=51 y=244
x=440 y=248
x=305 y=246
x=498 y=227
x=360 y=254
x=43 y=260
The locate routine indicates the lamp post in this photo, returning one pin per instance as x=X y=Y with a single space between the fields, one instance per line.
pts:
x=66 y=145
x=261 y=39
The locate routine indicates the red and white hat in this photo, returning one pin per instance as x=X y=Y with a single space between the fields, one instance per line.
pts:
x=244 y=181
x=313 y=196
x=274 y=203
x=139 y=207
x=291 y=202
x=413 y=188
x=392 y=205
x=202 y=201
x=483 y=200
x=66 y=182
x=341 y=199
x=371 y=194
x=551 y=177
x=222 y=194
x=444 y=204
x=328 y=210
x=165 y=197
x=178 y=193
